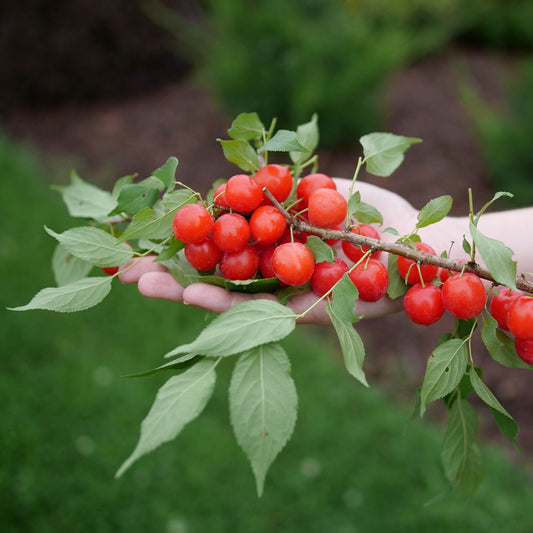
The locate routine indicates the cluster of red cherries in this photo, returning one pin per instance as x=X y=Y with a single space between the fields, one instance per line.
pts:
x=244 y=235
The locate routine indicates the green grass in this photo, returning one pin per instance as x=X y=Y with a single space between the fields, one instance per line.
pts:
x=69 y=420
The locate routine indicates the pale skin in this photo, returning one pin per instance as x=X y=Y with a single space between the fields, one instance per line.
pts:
x=511 y=227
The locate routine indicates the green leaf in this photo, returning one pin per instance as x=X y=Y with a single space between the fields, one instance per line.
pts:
x=263 y=406
x=179 y=401
x=250 y=286
x=496 y=196
x=85 y=200
x=177 y=198
x=444 y=371
x=181 y=269
x=434 y=211
x=240 y=153
x=245 y=326
x=498 y=258
x=134 y=197
x=283 y=141
x=320 y=250
x=343 y=296
x=174 y=246
x=93 y=245
x=178 y=366
x=352 y=346
x=167 y=172
x=308 y=136
x=67 y=268
x=246 y=126
x=120 y=183
x=76 y=296
x=499 y=345
x=460 y=454
x=507 y=425
x=467 y=247
x=384 y=152
x=397 y=286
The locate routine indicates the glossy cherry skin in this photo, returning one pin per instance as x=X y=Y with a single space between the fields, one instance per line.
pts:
x=192 y=223
x=524 y=349
x=410 y=273
x=219 y=196
x=240 y=265
x=327 y=208
x=231 y=232
x=326 y=274
x=267 y=225
x=423 y=305
x=355 y=252
x=371 y=280
x=464 y=296
x=499 y=306
x=520 y=318
x=311 y=183
x=277 y=179
x=203 y=255
x=243 y=193
x=293 y=263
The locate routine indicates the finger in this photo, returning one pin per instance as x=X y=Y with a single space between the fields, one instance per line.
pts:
x=160 y=285
x=132 y=274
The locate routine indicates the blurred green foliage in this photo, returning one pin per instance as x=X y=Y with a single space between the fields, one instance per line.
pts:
x=69 y=420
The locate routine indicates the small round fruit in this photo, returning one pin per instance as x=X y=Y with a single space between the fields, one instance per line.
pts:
x=520 y=318
x=326 y=274
x=311 y=183
x=293 y=263
x=192 y=223
x=464 y=296
x=499 y=306
x=243 y=193
x=277 y=179
x=327 y=208
x=410 y=273
x=203 y=255
x=267 y=225
x=240 y=265
x=354 y=252
x=219 y=196
x=524 y=349
x=371 y=280
x=423 y=305
x=231 y=232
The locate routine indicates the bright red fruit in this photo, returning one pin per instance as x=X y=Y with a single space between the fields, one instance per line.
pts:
x=265 y=262
x=240 y=265
x=520 y=318
x=311 y=183
x=326 y=274
x=410 y=273
x=327 y=208
x=219 y=196
x=110 y=271
x=464 y=296
x=355 y=252
x=267 y=225
x=371 y=279
x=524 y=349
x=277 y=179
x=243 y=194
x=231 y=232
x=423 y=305
x=293 y=263
x=203 y=255
x=499 y=306
x=192 y=223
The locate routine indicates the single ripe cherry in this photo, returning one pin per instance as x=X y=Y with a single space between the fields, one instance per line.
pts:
x=293 y=263
x=327 y=208
x=231 y=232
x=326 y=274
x=277 y=179
x=240 y=265
x=203 y=255
x=499 y=306
x=520 y=318
x=371 y=279
x=192 y=223
x=354 y=251
x=464 y=296
x=267 y=225
x=524 y=349
x=311 y=183
x=423 y=305
x=408 y=270
x=243 y=194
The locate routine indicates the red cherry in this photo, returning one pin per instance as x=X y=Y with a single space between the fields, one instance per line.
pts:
x=293 y=263
x=243 y=193
x=110 y=271
x=219 y=196
x=524 y=349
x=277 y=179
x=520 y=318
x=231 y=232
x=267 y=225
x=311 y=183
x=371 y=279
x=265 y=262
x=355 y=252
x=464 y=296
x=326 y=274
x=240 y=265
x=327 y=208
x=410 y=273
x=423 y=305
x=192 y=223
x=203 y=255
x=499 y=306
